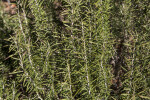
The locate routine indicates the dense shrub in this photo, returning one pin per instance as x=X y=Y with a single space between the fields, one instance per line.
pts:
x=75 y=49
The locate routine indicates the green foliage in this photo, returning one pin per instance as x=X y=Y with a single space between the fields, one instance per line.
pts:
x=75 y=49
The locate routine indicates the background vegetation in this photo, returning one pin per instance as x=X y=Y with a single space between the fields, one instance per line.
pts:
x=75 y=50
